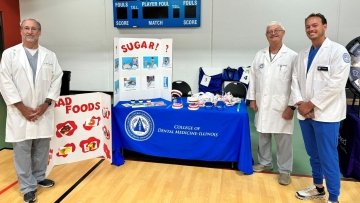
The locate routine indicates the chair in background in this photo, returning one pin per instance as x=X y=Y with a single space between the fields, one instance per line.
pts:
x=183 y=87
x=65 y=84
x=237 y=89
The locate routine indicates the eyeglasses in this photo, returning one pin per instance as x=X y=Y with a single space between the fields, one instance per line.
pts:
x=31 y=29
x=274 y=31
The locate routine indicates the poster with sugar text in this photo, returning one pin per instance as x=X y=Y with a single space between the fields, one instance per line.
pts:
x=142 y=69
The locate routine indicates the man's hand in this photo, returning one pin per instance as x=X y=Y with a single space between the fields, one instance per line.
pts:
x=27 y=112
x=288 y=113
x=306 y=109
x=40 y=110
x=310 y=114
x=253 y=105
x=31 y=114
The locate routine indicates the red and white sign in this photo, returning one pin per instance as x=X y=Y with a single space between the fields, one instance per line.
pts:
x=82 y=129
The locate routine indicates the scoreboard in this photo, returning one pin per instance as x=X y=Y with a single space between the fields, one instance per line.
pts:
x=156 y=13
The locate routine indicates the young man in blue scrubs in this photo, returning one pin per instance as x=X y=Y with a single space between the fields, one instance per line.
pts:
x=318 y=89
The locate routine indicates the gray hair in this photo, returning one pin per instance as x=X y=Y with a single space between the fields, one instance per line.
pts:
x=32 y=19
x=275 y=23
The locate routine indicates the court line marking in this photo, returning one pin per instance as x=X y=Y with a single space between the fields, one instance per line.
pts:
x=8 y=187
x=63 y=196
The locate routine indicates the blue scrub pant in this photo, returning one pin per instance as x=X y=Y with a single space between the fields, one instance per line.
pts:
x=321 y=140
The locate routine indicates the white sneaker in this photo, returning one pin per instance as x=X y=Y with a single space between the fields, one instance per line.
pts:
x=310 y=193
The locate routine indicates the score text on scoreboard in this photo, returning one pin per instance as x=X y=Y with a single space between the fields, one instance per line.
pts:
x=156 y=13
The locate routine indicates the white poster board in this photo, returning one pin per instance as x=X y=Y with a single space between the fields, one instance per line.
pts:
x=82 y=129
x=142 y=69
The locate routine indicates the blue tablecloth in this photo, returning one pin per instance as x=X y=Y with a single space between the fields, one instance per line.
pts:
x=204 y=134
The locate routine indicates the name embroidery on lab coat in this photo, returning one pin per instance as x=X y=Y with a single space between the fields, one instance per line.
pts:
x=322 y=68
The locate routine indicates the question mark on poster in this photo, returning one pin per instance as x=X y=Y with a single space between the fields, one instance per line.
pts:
x=167 y=46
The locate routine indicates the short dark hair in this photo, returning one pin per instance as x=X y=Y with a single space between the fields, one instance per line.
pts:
x=321 y=16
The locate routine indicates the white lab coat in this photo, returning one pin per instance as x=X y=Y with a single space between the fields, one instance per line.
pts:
x=269 y=85
x=16 y=84
x=324 y=84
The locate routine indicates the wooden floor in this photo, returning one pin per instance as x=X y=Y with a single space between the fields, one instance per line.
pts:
x=138 y=181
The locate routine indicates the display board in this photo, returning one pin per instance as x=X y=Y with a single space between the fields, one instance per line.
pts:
x=142 y=69
x=82 y=129
x=156 y=13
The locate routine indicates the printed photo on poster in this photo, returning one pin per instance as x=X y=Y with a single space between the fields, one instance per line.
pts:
x=130 y=83
x=166 y=62
x=150 y=81
x=116 y=86
x=166 y=82
x=130 y=63
x=150 y=62
x=116 y=64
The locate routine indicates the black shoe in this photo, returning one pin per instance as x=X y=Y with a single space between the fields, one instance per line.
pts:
x=30 y=197
x=46 y=183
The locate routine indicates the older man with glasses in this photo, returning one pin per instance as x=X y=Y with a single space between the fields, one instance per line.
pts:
x=30 y=79
x=269 y=95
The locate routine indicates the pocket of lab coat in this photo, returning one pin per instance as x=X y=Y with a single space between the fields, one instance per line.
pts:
x=284 y=72
x=259 y=73
x=46 y=72
x=320 y=74
x=279 y=103
x=16 y=124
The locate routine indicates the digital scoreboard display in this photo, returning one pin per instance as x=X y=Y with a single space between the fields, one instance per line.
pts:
x=156 y=13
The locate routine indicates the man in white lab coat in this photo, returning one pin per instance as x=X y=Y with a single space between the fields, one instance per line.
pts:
x=318 y=88
x=269 y=92
x=30 y=79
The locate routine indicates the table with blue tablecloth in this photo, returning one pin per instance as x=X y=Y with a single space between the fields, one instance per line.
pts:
x=206 y=134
